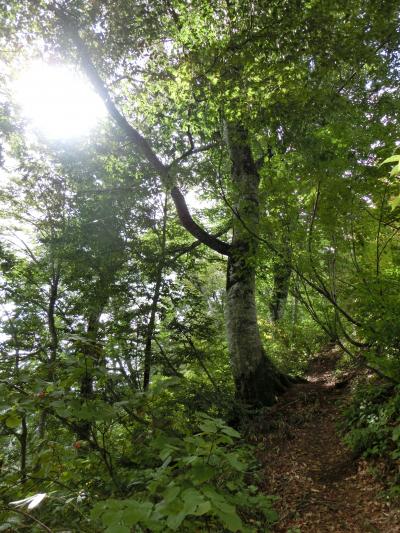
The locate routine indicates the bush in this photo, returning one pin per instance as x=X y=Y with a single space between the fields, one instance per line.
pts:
x=292 y=346
x=200 y=483
x=372 y=424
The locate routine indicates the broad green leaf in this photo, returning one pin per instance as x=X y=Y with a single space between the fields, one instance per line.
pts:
x=118 y=528
x=112 y=517
x=174 y=521
x=218 y=500
x=13 y=421
x=201 y=473
x=235 y=462
x=231 y=432
x=203 y=508
x=208 y=426
x=192 y=499
x=171 y=493
x=230 y=520
x=395 y=170
x=192 y=495
x=167 y=452
x=391 y=159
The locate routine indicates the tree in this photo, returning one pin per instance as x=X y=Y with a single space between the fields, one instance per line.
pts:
x=212 y=68
x=231 y=86
x=113 y=356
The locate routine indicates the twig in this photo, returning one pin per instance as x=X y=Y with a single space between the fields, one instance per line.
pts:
x=24 y=513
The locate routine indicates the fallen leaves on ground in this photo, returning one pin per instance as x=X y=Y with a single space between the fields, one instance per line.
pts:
x=321 y=486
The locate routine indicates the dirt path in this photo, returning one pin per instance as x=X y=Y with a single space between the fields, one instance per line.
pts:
x=321 y=487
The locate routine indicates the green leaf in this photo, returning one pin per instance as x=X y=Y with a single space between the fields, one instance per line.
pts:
x=174 y=521
x=118 y=529
x=217 y=499
x=231 y=432
x=230 y=519
x=201 y=473
x=203 y=508
x=208 y=426
x=395 y=170
x=167 y=452
x=136 y=512
x=171 y=493
x=112 y=517
x=396 y=433
x=391 y=159
x=235 y=462
x=192 y=498
x=192 y=495
x=13 y=421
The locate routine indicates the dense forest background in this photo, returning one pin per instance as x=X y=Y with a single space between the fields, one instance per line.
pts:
x=166 y=278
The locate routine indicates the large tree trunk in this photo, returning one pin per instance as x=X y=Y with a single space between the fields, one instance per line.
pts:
x=257 y=380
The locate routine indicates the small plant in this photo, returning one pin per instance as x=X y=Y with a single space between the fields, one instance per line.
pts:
x=372 y=425
x=201 y=481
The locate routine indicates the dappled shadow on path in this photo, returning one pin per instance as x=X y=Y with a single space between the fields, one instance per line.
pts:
x=321 y=486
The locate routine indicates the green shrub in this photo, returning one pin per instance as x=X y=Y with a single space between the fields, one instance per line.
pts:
x=372 y=423
x=201 y=482
x=292 y=346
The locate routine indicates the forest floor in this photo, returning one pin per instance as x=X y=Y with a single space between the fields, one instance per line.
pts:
x=321 y=486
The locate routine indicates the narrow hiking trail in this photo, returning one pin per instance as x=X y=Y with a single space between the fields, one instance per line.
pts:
x=320 y=485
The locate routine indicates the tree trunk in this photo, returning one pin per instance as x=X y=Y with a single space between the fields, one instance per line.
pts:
x=256 y=379
x=53 y=344
x=281 y=271
x=23 y=435
x=148 y=352
x=91 y=352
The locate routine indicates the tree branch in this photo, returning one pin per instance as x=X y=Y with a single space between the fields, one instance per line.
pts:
x=321 y=290
x=137 y=138
x=192 y=150
x=141 y=143
x=178 y=252
x=31 y=517
x=192 y=227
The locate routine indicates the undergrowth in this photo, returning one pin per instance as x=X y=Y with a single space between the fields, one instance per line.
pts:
x=165 y=472
x=371 y=428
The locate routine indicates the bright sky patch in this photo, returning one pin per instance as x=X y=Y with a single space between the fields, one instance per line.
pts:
x=58 y=102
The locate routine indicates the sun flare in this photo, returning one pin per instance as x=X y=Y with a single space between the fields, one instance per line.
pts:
x=58 y=102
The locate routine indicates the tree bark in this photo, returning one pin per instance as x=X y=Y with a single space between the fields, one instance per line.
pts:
x=53 y=344
x=91 y=349
x=282 y=271
x=148 y=354
x=91 y=352
x=257 y=380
